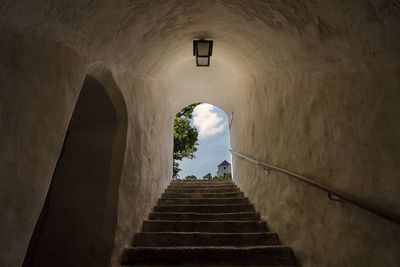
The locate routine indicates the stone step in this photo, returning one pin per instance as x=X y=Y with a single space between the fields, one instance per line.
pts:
x=193 y=201
x=257 y=255
x=203 y=195
x=213 y=208
x=204 y=239
x=201 y=185
x=207 y=265
x=202 y=190
x=205 y=226
x=177 y=216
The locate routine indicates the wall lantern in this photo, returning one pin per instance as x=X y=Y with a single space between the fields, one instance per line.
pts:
x=202 y=49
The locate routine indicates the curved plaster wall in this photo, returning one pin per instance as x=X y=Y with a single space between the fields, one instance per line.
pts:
x=313 y=86
x=79 y=219
x=36 y=103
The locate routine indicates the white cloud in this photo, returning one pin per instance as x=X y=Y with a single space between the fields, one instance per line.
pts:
x=207 y=121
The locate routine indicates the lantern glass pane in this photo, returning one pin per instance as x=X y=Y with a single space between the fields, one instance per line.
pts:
x=203 y=48
x=203 y=61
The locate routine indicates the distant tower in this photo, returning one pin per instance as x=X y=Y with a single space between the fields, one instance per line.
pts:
x=224 y=168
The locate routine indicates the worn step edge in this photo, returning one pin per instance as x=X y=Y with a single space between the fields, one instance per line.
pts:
x=193 y=216
x=202 y=195
x=206 y=265
x=273 y=255
x=175 y=239
x=191 y=184
x=211 y=208
x=208 y=205
x=201 y=182
x=202 y=190
x=201 y=185
x=232 y=200
x=204 y=226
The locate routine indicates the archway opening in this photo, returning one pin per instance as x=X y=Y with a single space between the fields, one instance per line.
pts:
x=77 y=223
x=207 y=127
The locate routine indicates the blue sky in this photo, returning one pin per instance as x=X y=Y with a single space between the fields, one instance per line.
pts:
x=212 y=124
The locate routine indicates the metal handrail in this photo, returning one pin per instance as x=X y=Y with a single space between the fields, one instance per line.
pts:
x=332 y=193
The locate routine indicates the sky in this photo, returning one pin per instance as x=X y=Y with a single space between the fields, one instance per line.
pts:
x=214 y=144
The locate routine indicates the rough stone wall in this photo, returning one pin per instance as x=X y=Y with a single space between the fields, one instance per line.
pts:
x=148 y=156
x=339 y=126
x=329 y=115
x=80 y=216
x=313 y=86
x=38 y=95
x=39 y=84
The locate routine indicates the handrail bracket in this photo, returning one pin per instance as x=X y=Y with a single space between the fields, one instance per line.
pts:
x=334 y=197
x=266 y=168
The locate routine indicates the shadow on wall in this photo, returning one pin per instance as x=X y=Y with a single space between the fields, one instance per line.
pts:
x=77 y=223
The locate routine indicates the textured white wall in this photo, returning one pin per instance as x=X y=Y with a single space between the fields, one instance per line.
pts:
x=313 y=86
x=36 y=102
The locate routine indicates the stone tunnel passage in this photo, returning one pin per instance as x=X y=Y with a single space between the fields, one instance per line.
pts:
x=77 y=223
x=313 y=85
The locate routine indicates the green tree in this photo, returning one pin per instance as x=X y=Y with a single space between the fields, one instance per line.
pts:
x=191 y=177
x=227 y=176
x=185 y=137
x=208 y=176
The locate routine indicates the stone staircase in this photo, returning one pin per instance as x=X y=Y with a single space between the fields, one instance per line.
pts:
x=205 y=223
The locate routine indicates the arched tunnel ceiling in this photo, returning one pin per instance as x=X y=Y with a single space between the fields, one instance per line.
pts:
x=154 y=37
x=149 y=35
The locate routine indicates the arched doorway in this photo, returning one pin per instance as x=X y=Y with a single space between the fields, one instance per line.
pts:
x=77 y=224
x=207 y=126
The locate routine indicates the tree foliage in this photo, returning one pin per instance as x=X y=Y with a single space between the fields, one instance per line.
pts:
x=208 y=176
x=185 y=137
x=191 y=177
x=225 y=177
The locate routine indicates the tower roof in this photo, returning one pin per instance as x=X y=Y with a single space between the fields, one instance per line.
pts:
x=224 y=163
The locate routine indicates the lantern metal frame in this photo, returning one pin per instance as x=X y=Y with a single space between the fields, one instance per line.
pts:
x=196 y=54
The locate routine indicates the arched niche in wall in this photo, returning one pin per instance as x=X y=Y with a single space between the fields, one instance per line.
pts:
x=77 y=224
